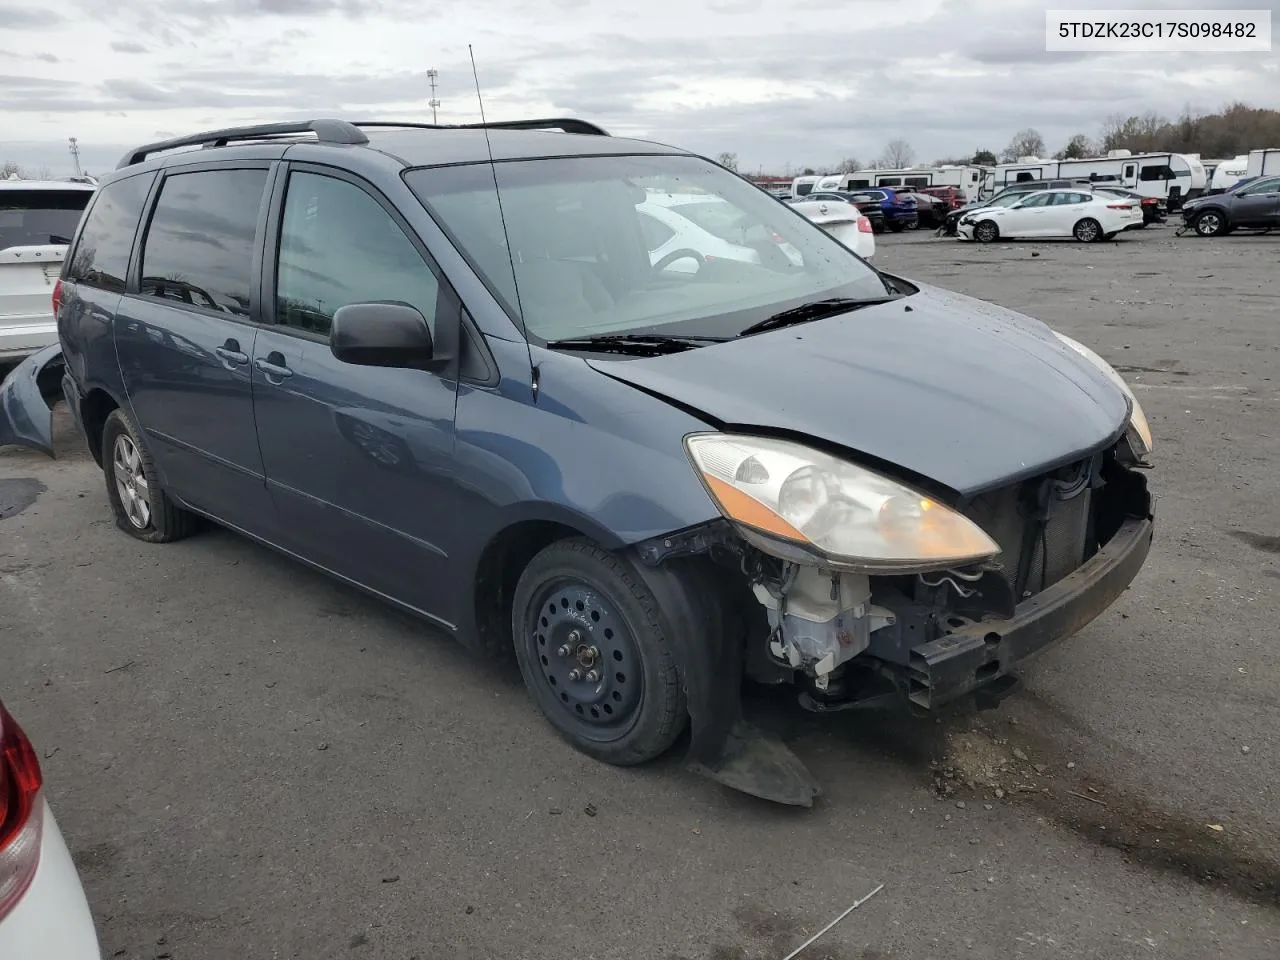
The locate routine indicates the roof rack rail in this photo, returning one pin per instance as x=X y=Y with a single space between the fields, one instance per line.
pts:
x=327 y=131
x=566 y=124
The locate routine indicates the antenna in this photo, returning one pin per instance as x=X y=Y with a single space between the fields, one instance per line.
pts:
x=75 y=155
x=433 y=103
x=497 y=192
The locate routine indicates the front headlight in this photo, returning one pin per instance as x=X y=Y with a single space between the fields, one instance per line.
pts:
x=1139 y=432
x=802 y=504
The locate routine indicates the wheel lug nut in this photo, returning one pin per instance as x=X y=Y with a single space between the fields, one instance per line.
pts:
x=565 y=650
x=593 y=676
x=575 y=674
x=575 y=636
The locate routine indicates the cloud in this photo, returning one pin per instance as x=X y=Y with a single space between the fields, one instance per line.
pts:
x=128 y=46
x=27 y=18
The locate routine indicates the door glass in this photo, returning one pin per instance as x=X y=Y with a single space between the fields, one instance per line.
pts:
x=101 y=258
x=339 y=246
x=1039 y=200
x=199 y=247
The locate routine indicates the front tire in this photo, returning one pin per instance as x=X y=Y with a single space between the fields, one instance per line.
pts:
x=142 y=509
x=986 y=232
x=593 y=654
x=1210 y=224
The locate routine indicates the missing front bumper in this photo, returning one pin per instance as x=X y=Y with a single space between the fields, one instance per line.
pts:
x=961 y=662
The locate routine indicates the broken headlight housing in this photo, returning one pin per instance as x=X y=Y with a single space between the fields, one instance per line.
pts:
x=1139 y=431
x=801 y=504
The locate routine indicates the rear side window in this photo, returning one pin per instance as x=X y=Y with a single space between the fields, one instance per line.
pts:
x=199 y=247
x=101 y=258
x=33 y=218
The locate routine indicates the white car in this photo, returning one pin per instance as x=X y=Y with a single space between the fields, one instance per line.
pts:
x=707 y=225
x=1052 y=213
x=43 y=911
x=37 y=221
x=844 y=221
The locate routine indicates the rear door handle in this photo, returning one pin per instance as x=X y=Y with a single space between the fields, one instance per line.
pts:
x=273 y=365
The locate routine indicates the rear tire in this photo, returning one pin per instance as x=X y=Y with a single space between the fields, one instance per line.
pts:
x=986 y=232
x=593 y=655
x=142 y=509
x=1087 y=230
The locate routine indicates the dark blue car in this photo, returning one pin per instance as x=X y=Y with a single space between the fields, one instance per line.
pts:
x=493 y=377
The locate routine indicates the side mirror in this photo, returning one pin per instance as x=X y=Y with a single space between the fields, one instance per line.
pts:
x=382 y=334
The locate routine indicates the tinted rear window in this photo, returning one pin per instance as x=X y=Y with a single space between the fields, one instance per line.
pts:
x=31 y=218
x=101 y=257
x=199 y=247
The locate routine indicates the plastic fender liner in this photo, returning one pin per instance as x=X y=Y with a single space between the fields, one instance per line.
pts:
x=709 y=653
x=27 y=397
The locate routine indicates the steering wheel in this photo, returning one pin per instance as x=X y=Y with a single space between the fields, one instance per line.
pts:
x=680 y=254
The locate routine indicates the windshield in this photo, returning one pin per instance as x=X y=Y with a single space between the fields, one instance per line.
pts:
x=35 y=218
x=627 y=244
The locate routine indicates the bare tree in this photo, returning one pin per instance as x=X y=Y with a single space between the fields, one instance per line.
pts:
x=1077 y=148
x=848 y=165
x=729 y=161
x=8 y=169
x=1025 y=143
x=897 y=154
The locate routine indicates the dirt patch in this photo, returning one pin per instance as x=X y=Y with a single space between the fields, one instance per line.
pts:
x=1007 y=765
x=1259 y=541
x=18 y=493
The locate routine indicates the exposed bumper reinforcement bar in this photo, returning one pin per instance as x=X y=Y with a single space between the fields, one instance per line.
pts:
x=961 y=662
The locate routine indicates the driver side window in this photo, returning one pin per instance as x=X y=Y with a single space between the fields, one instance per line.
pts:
x=339 y=246
x=1262 y=186
x=1038 y=200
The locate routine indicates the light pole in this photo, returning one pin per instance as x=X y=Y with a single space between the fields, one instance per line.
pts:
x=433 y=103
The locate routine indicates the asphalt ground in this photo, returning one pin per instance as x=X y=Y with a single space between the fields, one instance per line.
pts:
x=250 y=761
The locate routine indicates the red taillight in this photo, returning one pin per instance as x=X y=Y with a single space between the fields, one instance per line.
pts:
x=57 y=297
x=1149 y=200
x=864 y=225
x=21 y=813
x=1119 y=206
x=778 y=238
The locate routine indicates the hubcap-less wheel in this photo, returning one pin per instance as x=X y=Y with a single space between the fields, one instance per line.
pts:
x=131 y=482
x=1208 y=224
x=588 y=658
x=1087 y=231
x=985 y=232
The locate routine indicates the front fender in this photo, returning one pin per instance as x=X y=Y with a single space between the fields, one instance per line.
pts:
x=27 y=397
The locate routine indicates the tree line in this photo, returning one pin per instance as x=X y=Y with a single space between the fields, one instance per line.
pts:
x=1236 y=129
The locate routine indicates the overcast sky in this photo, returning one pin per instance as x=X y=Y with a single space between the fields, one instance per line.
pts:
x=776 y=81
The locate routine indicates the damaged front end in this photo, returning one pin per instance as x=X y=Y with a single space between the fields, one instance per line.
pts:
x=1012 y=571
x=27 y=396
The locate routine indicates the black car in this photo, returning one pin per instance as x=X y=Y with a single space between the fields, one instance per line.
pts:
x=1251 y=204
x=1153 y=208
x=871 y=209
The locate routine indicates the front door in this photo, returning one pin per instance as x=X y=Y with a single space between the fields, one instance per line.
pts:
x=358 y=459
x=184 y=341
x=1258 y=204
x=1028 y=217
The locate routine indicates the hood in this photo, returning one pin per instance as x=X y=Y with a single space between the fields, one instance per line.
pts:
x=943 y=386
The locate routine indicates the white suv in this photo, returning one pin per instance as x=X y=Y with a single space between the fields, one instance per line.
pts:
x=38 y=218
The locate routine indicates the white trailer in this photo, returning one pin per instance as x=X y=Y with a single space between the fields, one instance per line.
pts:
x=1227 y=173
x=1173 y=177
x=803 y=186
x=1264 y=162
x=965 y=177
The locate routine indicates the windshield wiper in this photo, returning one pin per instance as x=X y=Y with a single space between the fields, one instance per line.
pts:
x=814 y=310
x=634 y=343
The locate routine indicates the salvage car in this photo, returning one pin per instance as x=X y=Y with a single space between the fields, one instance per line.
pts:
x=1087 y=217
x=37 y=219
x=438 y=363
x=1253 y=203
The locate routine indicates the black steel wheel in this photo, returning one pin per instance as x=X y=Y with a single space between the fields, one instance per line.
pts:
x=593 y=656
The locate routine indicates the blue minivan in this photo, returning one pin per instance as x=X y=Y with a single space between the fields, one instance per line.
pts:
x=464 y=370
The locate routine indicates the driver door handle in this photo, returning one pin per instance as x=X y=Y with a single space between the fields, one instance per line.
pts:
x=231 y=353
x=273 y=365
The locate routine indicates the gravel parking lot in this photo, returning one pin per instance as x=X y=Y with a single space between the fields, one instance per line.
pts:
x=251 y=762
